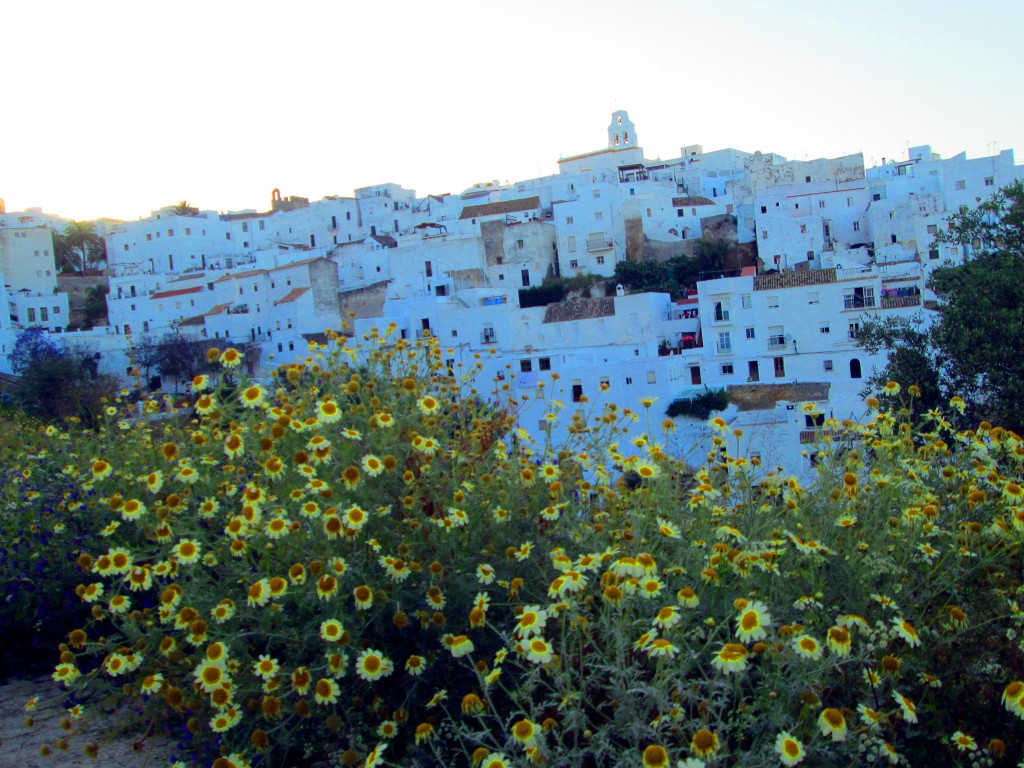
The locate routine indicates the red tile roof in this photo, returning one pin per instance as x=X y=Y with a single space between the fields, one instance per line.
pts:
x=505 y=206
x=179 y=292
x=292 y=295
x=238 y=275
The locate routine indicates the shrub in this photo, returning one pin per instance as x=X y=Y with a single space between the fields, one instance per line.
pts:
x=372 y=558
x=699 y=406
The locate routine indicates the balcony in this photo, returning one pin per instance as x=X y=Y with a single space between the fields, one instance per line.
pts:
x=488 y=337
x=859 y=302
x=721 y=315
x=723 y=349
x=896 y=302
x=599 y=244
x=777 y=342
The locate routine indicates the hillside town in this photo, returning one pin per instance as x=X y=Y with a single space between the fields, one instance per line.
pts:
x=794 y=256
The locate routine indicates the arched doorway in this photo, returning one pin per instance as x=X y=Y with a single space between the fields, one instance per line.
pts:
x=855 y=369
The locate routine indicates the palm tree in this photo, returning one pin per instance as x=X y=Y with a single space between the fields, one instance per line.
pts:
x=84 y=245
x=184 y=209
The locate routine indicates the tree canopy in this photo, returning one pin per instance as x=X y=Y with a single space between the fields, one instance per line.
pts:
x=78 y=247
x=973 y=347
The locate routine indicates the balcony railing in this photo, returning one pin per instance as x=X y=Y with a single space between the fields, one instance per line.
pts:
x=776 y=342
x=723 y=348
x=721 y=315
x=488 y=337
x=599 y=244
x=856 y=302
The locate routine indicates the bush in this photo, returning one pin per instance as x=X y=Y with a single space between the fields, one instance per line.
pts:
x=699 y=406
x=371 y=558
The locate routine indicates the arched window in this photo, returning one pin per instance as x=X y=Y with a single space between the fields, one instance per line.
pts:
x=855 y=369
x=616 y=139
x=625 y=138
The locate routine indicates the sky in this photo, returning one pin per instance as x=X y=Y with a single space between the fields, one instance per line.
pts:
x=114 y=109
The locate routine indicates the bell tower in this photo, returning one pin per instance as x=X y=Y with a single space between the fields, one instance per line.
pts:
x=621 y=132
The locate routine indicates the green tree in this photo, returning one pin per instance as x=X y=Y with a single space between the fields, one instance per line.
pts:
x=80 y=246
x=183 y=208
x=973 y=348
x=54 y=383
x=95 y=305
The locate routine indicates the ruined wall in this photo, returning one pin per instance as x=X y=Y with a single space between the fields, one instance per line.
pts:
x=634 y=239
x=364 y=302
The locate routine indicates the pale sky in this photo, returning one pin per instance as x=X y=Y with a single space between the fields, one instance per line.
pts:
x=118 y=108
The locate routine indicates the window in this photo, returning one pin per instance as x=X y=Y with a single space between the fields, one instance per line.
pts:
x=932 y=229
x=727 y=369
x=764 y=234
x=632 y=192
x=648 y=213
x=263 y=226
x=428 y=269
x=764 y=209
x=817 y=420
x=520 y=244
x=454 y=333
x=680 y=212
x=876 y=197
x=749 y=333
x=605 y=383
x=245 y=226
x=827 y=364
x=629 y=380
x=961 y=184
x=856 y=226
x=745 y=301
x=803 y=229
x=859 y=298
x=849 y=202
x=773 y=302
x=600 y=259
x=721 y=312
x=573 y=263
x=227 y=235
x=812 y=297
x=572 y=244
x=824 y=328
x=854 y=331
x=807 y=179
x=933 y=253
x=544 y=364
x=596 y=192
x=31 y=315
x=577 y=391
x=525 y=275
x=56 y=310
x=149 y=237
x=990 y=181
x=170 y=233
x=780 y=366
x=44 y=314
x=526 y=366
x=598 y=215
x=724 y=343
x=568 y=219
x=652 y=377
x=892 y=238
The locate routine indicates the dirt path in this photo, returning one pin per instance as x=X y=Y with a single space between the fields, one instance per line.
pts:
x=21 y=745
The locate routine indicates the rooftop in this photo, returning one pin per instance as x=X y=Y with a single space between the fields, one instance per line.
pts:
x=579 y=309
x=504 y=206
x=794 y=279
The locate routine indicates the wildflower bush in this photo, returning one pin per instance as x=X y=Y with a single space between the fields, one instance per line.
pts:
x=367 y=560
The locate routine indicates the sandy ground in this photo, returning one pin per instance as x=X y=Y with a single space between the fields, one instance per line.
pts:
x=20 y=744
